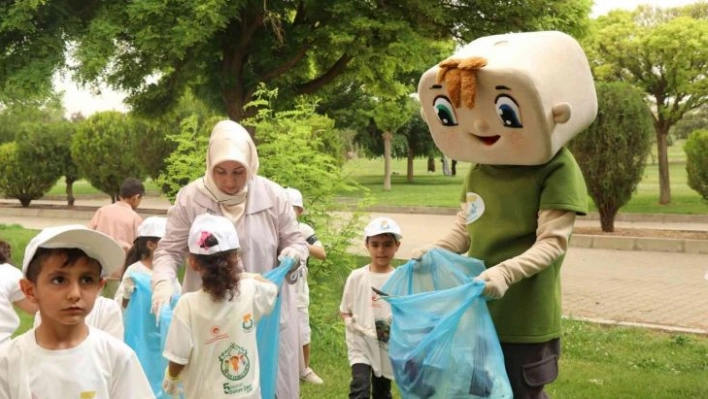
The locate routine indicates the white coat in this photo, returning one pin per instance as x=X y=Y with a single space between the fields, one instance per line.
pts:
x=267 y=226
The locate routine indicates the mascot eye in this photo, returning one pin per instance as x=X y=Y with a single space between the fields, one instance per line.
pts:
x=445 y=111
x=508 y=111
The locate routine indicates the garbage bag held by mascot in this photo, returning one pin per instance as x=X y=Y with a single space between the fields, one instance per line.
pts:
x=508 y=104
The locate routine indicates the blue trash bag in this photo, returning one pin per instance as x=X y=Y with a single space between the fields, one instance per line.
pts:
x=268 y=334
x=142 y=333
x=443 y=343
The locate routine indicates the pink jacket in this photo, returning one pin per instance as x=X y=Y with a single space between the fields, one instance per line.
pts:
x=267 y=226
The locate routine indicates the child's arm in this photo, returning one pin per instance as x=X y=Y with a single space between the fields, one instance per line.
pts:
x=317 y=252
x=175 y=369
x=172 y=378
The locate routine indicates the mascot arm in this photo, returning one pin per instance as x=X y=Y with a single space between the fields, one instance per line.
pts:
x=458 y=238
x=552 y=235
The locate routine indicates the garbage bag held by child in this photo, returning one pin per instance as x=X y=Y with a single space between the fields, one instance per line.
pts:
x=443 y=343
x=268 y=334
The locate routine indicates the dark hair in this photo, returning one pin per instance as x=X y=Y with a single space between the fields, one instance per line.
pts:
x=72 y=256
x=219 y=274
x=138 y=251
x=366 y=241
x=131 y=187
x=5 y=252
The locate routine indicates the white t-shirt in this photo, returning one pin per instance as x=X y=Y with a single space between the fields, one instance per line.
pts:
x=301 y=287
x=101 y=367
x=105 y=316
x=361 y=301
x=10 y=293
x=138 y=267
x=217 y=341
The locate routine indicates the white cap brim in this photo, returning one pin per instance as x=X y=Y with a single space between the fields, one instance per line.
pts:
x=94 y=243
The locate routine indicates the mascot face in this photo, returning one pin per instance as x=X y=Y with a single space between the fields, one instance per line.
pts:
x=511 y=99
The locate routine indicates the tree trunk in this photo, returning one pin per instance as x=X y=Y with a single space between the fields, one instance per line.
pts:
x=70 y=192
x=663 y=155
x=409 y=169
x=445 y=166
x=431 y=164
x=607 y=219
x=25 y=202
x=387 y=160
x=454 y=167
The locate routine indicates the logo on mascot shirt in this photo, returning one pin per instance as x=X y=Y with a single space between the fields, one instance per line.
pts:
x=234 y=362
x=475 y=207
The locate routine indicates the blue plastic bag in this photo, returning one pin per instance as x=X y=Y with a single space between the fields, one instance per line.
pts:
x=268 y=334
x=143 y=335
x=443 y=343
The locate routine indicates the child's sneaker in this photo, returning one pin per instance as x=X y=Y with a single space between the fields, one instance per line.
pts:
x=311 y=377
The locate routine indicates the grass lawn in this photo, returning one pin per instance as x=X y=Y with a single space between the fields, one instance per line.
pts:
x=597 y=362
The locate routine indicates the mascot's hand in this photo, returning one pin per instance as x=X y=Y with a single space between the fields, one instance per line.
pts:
x=495 y=282
x=417 y=254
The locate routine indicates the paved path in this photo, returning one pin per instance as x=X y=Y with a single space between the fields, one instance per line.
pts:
x=649 y=288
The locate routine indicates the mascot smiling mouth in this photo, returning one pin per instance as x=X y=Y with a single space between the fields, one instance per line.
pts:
x=487 y=140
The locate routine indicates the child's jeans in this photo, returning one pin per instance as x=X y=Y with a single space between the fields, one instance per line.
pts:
x=364 y=381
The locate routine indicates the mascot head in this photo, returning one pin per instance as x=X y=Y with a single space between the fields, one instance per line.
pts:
x=511 y=99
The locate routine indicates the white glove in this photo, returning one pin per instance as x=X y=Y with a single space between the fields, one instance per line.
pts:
x=417 y=254
x=128 y=287
x=291 y=252
x=495 y=284
x=351 y=324
x=170 y=384
x=161 y=296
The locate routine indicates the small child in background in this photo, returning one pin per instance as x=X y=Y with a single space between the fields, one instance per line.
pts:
x=64 y=271
x=368 y=317
x=10 y=294
x=139 y=258
x=211 y=344
x=317 y=251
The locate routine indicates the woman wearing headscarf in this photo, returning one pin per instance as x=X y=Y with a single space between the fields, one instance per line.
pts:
x=266 y=226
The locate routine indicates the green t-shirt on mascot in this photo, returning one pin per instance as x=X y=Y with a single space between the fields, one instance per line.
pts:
x=508 y=104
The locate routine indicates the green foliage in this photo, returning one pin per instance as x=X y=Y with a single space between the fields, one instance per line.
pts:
x=612 y=152
x=25 y=179
x=696 y=148
x=102 y=150
x=16 y=113
x=188 y=161
x=693 y=120
x=293 y=152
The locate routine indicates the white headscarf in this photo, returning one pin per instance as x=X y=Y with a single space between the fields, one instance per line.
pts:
x=229 y=141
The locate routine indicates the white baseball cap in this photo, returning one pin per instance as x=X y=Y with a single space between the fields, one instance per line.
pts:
x=383 y=225
x=218 y=229
x=154 y=226
x=295 y=197
x=95 y=244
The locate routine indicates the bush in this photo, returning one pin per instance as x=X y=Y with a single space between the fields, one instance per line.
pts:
x=612 y=152
x=696 y=148
x=102 y=150
x=22 y=178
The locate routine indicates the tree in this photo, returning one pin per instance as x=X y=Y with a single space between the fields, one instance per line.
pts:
x=24 y=179
x=697 y=162
x=612 y=152
x=16 y=113
x=691 y=121
x=222 y=49
x=51 y=143
x=102 y=151
x=665 y=54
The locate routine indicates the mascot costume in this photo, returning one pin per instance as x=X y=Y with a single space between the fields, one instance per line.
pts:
x=507 y=104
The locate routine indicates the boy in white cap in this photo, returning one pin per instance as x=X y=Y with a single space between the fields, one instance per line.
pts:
x=211 y=344
x=367 y=317
x=64 y=271
x=317 y=251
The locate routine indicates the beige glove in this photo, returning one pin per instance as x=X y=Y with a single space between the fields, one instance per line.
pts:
x=555 y=227
x=161 y=296
x=170 y=384
x=456 y=240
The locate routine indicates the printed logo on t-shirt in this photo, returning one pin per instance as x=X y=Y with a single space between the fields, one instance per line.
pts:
x=87 y=395
x=235 y=365
x=216 y=335
x=247 y=322
x=475 y=207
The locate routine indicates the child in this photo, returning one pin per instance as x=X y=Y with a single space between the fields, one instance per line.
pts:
x=120 y=221
x=367 y=317
x=211 y=343
x=303 y=290
x=10 y=294
x=139 y=258
x=64 y=271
